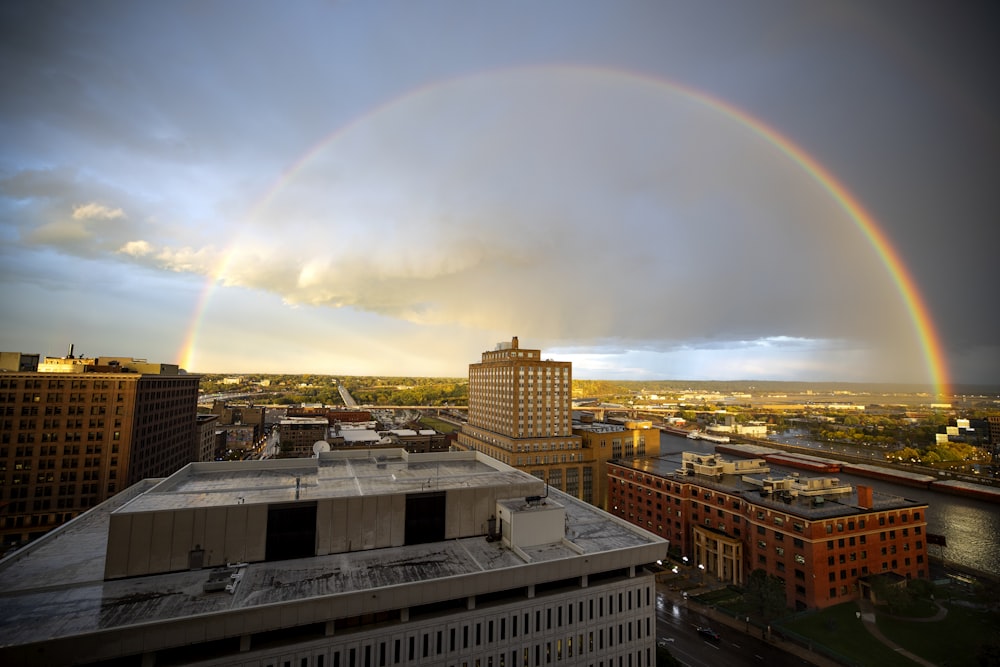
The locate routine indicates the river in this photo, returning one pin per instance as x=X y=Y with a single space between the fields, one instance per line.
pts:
x=971 y=527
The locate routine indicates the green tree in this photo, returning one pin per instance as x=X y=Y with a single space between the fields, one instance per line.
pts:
x=895 y=595
x=765 y=594
x=665 y=658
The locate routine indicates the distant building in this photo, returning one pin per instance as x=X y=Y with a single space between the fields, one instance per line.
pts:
x=520 y=412
x=236 y=414
x=348 y=559
x=206 y=437
x=603 y=442
x=19 y=362
x=79 y=430
x=994 y=425
x=422 y=441
x=821 y=537
x=297 y=435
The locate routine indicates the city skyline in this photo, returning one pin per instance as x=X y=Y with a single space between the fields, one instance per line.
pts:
x=749 y=191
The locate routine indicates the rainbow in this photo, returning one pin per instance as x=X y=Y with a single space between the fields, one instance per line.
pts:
x=926 y=332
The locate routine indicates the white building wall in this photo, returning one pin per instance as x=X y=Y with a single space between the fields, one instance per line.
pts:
x=585 y=626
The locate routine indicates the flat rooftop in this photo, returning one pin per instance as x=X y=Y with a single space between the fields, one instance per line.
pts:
x=54 y=587
x=833 y=505
x=333 y=475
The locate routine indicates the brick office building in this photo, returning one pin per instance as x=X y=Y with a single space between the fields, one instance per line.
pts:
x=822 y=538
x=520 y=413
x=79 y=430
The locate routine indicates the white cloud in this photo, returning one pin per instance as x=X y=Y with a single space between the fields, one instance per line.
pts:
x=136 y=248
x=95 y=211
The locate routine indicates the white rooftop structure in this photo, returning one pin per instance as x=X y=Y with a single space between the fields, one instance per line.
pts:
x=316 y=560
x=359 y=436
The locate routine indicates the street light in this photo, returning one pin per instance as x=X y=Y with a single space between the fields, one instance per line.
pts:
x=702 y=568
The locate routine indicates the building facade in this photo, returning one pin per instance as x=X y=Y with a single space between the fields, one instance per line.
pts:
x=18 y=361
x=603 y=442
x=822 y=538
x=207 y=437
x=79 y=430
x=520 y=413
x=405 y=559
x=297 y=435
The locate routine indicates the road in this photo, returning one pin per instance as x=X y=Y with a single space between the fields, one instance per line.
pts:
x=346 y=396
x=676 y=624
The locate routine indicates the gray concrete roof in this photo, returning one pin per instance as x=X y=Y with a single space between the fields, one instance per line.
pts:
x=839 y=504
x=330 y=476
x=54 y=587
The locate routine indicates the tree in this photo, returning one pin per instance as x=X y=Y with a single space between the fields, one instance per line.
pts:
x=765 y=594
x=894 y=594
x=666 y=659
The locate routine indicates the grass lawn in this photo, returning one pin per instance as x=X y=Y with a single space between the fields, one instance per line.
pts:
x=726 y=599
x=841 y=631
x=439 y=425
x=952 y=641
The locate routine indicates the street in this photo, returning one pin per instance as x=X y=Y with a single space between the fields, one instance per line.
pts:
x=676 y=623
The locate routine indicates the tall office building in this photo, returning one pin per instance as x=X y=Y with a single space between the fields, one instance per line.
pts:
x=79 y=430
x=348 y=559
x=520 y=413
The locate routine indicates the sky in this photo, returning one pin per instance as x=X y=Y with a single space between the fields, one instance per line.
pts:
x=716 y=190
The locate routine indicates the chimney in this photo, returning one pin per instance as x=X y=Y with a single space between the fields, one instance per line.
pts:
x=513 y=343
x=865 y=497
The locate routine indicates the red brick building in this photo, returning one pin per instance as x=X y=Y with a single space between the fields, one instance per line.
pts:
x=818 y=535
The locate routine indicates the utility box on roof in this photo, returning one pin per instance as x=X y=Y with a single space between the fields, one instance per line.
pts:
x=529 y=522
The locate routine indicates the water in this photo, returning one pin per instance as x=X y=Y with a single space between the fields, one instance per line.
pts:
x=971 y=527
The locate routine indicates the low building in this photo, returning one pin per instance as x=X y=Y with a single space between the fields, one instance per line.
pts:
x=422 y=441
x=821 y=537
x=603 y=441
x=346 y=559
x=297 y=435
x=207 y=426
x=19 y=362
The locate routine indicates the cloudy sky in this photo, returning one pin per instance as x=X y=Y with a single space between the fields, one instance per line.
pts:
x=651 y=190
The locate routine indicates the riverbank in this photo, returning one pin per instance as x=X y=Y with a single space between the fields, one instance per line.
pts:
x=805 y=458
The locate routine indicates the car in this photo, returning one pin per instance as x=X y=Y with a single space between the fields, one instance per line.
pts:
x=708 y=633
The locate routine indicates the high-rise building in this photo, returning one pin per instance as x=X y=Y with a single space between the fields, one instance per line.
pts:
x=79 y=430
x=521 y=413
x=824 y=539
x=351 y=558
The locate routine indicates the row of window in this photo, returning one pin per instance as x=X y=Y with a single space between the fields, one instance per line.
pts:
x=14 y=383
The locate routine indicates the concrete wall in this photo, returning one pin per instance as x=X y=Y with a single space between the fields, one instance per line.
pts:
x=152 y=542
x=538 y=525
x=360 y=522
x=468 y=510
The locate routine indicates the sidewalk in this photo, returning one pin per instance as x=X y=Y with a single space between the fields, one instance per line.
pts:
x=673 y=593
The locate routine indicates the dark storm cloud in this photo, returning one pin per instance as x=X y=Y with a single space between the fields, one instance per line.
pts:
x=594 y=212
